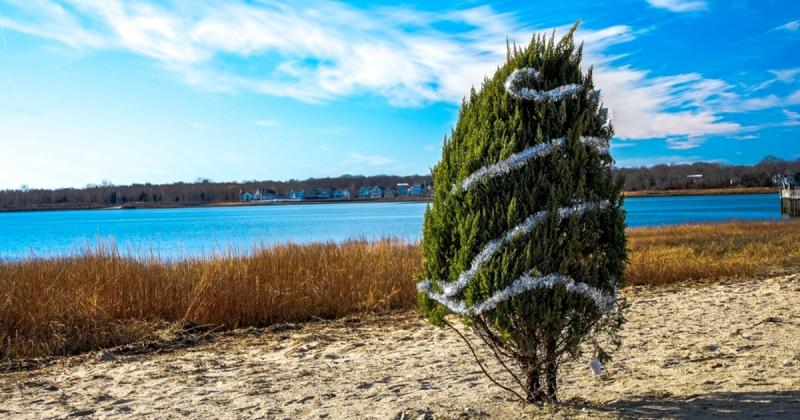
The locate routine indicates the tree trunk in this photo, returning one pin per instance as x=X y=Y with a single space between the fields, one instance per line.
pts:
x=551 y=370
x=533 y=384
x=552 y=384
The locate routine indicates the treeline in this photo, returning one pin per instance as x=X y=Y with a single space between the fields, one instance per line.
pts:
x=203 y=191
x=709 y=175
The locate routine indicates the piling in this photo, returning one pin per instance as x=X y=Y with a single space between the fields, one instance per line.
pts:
x=790 y=201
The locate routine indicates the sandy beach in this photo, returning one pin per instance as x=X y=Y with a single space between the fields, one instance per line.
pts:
x=727 y=349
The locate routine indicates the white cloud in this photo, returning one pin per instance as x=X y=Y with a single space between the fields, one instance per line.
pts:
x=622 y=145
x=372 y=160
x=323 y=51
x=792 y=118
x=786 y=75
x=794 y=98
x=267 y=123
x=684 y=144
x=789 y=26
x=746 y=137
x=679 y=6
x=656 y=160
x=639 y=102
x=200 y=126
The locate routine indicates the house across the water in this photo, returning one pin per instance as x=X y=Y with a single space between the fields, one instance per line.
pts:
x=402 y=189
x=418 y=190
x=376 y=192
x=260 y=195
x=342 y=194
x=365 y=192
x=296 y=195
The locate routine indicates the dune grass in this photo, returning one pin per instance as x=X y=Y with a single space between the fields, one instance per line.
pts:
x=702 y=191
x=666 y=255
x=69 y=305
x=95 y=300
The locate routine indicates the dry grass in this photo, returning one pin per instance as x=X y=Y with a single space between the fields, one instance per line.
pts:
x=702 y=191
x=69 y=305
x=86 y=302
x=667 y=255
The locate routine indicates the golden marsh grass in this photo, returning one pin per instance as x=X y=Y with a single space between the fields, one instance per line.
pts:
x=665 y=255
x=73 y=304
x=68 y=305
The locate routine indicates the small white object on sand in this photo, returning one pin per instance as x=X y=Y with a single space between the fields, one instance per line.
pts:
x=597 y=368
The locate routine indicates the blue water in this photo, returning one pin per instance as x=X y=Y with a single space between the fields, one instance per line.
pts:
x=204 y=231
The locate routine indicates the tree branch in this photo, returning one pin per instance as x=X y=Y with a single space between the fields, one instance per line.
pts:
x=480 y=364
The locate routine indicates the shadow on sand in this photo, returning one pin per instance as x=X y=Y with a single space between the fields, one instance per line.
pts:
x=771 y=405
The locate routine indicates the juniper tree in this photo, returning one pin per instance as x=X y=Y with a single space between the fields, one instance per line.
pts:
x=525 y=237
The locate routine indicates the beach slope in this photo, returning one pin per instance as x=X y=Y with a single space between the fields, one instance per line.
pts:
x=692 y=351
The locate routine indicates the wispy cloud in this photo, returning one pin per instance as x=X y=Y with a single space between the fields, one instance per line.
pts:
x=370 y=160
x=785 y=76
x=791 y=26
x=622 y=144
x=324 y=51
x=684 y=143
x=794 y=98
x=792 y=118
x=679 y=6
x=639 y=104
x=656 y=160
x=267 y=123
x=746 y=137
x=200 y=126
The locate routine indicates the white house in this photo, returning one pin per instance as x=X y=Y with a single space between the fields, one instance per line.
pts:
x=296 y=195
x=265 y=194
x=376 y=192
x=342 y=194
x=402 y=189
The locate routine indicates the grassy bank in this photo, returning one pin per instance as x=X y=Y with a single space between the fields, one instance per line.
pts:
x=69 y=305
x=671 y=254
x=702 y=191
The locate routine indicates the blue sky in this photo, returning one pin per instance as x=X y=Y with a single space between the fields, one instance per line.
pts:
x=141 y=91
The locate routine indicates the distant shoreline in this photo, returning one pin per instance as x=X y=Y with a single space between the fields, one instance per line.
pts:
x=147 y=206
x=326 y=201
x=702 y=191
x=627 y=194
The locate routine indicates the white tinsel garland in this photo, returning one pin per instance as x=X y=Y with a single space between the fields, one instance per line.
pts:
x=526 y=282
x=520 y=159
x=556 y=94
x=452 y=289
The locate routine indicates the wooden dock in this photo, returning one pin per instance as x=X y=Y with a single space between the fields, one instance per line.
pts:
x=790 y=201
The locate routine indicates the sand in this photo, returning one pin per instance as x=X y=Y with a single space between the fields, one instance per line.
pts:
x=695 y=351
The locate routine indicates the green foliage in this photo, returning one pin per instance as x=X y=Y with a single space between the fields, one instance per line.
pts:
x=491 y=126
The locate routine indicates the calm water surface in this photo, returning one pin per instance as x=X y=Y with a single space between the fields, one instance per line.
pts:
x=203 y=231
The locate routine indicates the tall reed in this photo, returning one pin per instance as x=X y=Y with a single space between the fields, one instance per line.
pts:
x=100 y=299
x=670 y=254
x=73 y=304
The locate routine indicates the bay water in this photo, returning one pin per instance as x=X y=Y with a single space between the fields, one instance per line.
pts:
x=202 y=231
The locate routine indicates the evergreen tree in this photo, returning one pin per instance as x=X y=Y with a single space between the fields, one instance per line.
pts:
x=525 y=238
